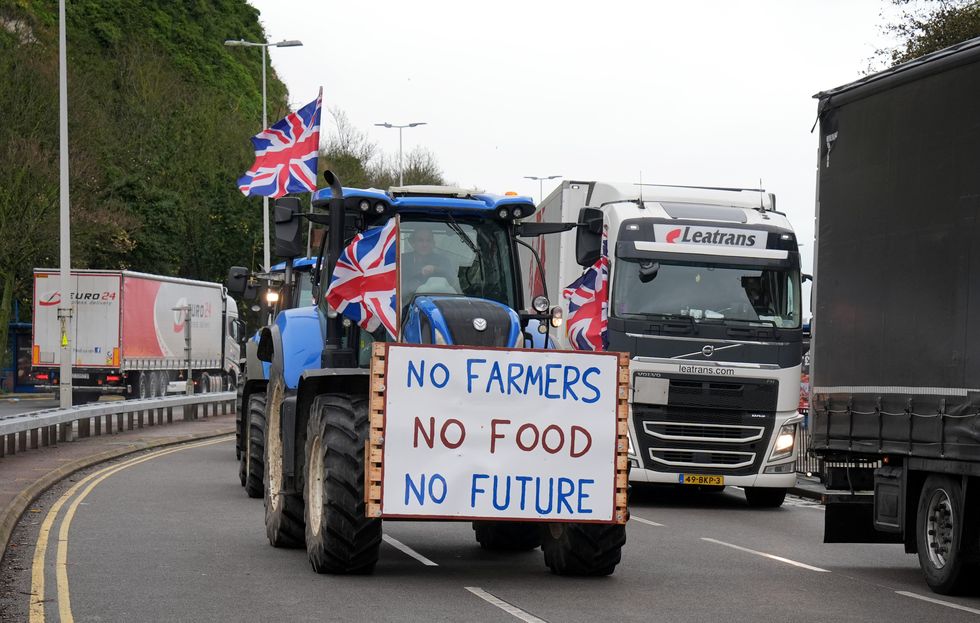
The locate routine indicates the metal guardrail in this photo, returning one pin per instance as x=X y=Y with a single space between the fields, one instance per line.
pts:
x=36 y=429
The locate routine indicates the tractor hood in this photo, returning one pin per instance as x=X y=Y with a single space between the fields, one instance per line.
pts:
x=463 y=321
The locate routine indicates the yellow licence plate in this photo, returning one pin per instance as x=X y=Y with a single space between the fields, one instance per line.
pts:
x=701 y=479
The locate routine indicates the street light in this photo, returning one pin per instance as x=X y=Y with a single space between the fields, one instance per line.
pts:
x=541 y=184
x=401 y=182
x=241 y=43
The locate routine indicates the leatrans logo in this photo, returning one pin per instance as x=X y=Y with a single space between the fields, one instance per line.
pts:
x=717 y=236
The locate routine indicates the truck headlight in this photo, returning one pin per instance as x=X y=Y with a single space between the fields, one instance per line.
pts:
x=785 y=442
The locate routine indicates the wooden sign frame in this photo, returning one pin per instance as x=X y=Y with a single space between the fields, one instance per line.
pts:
x=374 y=444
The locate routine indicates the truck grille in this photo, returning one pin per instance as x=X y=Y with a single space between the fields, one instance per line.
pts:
x=701 y=459
x=721 y=433
x=683 y=439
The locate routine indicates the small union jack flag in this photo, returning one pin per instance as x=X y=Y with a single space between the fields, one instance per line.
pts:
x=364 y=282
x=285 y=155
x=588 y=306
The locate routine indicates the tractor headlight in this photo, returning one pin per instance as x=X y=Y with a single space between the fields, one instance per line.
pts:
x=540 y=304
x=519 y=340
x=437 y=338
x=365 y=205
x=502 y=213
x=556 y=317
x=271 y=297
x=785 y=442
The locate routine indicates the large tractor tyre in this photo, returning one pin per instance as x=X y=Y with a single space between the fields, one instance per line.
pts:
x=507 y=536
x=253 y=456
x=340 y=538
x=283 y=511
x=763 y=497
x=943 y=534
x=582 y=549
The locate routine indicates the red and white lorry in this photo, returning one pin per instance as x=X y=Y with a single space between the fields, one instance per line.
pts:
x=127 y=334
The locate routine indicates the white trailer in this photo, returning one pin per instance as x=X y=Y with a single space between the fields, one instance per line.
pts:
x=704 y=294
x=128 y=333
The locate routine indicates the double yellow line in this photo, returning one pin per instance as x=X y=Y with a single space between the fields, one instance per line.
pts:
x=61 y=558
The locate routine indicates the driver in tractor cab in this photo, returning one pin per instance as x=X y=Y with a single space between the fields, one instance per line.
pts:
x=423 y=269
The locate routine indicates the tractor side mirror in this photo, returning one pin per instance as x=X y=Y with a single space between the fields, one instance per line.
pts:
x=289 y=234
x=237 y=281
x=588 y=236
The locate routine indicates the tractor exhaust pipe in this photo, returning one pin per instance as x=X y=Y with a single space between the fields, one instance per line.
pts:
x=333 y=355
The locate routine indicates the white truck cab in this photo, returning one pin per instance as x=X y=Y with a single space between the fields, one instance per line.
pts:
x=704 y=294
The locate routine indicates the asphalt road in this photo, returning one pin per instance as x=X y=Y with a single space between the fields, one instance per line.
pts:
x=174 y=538
x=14 y=406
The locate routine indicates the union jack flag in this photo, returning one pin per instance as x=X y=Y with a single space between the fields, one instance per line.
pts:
x=588 y=306
x=364 y=282
x=285 y=155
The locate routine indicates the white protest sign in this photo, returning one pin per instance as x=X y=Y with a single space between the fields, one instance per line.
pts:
x=475 y=433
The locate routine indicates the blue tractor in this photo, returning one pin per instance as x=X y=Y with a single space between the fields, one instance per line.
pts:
x=286 y=285
x=316 y=417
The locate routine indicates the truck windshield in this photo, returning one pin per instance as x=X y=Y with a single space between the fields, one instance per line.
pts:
x=470 y=257
x=707 y=293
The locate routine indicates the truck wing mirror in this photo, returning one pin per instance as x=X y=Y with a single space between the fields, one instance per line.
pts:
x=588 y=236
x=237 y=281
x=289 y=241
x=532 y=230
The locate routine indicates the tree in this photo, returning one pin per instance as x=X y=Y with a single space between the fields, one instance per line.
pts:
x=927 y=26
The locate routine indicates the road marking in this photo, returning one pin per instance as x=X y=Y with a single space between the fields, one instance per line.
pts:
x=503 y=605
x=765 y=555
x=61 y=563
x=646 y=521
x=408 y=550
x=933 y=600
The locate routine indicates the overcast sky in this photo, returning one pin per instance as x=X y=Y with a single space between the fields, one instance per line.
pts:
x=699 y=93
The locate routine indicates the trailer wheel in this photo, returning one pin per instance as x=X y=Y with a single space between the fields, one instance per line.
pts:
x=765 y=497
x=942 y=534
x=253 y=455
x=508 y=536
x=582 y=549
x=283 y=511
x=339 y=537
x=154 y=384
x=142 y=385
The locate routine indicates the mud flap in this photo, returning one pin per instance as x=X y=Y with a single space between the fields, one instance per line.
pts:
x=850 y=518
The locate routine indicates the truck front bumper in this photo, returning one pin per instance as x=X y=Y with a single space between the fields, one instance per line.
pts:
x=781 y=481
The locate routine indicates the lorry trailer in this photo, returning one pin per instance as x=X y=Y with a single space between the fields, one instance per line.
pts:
x=127 y=332
x=895 y=404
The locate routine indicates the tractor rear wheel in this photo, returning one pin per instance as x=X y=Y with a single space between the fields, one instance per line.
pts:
x=582 y=549
x=283 y=510
x=512 y=536
x=253 y=454
x=340 y=538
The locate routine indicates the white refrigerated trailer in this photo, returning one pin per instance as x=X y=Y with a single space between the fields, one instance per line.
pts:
x=127 y=333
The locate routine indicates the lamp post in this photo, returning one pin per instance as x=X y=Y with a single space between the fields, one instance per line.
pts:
x=541 y=184
x=65 y=307
x=401 y=181
x=241 y=43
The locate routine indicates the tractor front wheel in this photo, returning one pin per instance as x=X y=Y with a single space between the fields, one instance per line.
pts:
x=340 y=538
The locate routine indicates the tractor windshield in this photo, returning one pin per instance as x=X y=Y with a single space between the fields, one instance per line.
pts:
x=462 y=255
